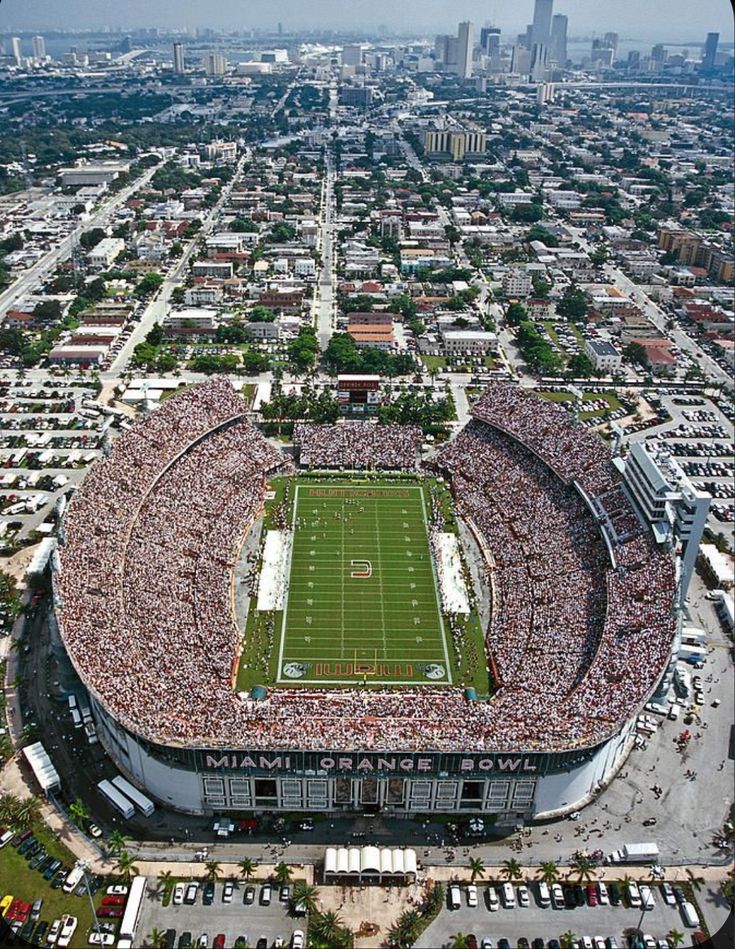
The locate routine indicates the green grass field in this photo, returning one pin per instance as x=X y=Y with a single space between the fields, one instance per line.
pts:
x=362 y=602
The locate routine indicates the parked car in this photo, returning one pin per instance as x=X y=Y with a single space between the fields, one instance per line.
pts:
x=248 y=896
x=491 y=897
x=472 y=895
x=524 y=897
x=208 y=893
x=190 y=896
x=228 y=891
x=179 y=892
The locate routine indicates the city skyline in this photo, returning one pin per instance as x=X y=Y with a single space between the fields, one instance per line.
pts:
x=632 y=19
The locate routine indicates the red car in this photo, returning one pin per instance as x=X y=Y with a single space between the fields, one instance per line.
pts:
x=592 y=899
x=219 y=941
x=113 y=901
x=110 y=912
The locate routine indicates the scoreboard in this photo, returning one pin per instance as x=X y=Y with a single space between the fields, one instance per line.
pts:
x=358 y=395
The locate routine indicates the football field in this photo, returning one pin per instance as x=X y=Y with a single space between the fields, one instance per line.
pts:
x=362 y=604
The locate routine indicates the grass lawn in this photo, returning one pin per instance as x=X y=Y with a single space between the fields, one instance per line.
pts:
x=20 y=881
x=434 y=362
x=551 y=331
x=610 y=397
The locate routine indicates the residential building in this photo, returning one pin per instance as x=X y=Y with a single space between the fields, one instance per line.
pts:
x=39 y=48
x=104 y=253
x=517 y=283
x=216 y=64
x=16 y=51
x=604 y=355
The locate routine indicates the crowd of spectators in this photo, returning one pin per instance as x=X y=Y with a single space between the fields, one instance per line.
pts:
x=358 y=445
x=151 y=537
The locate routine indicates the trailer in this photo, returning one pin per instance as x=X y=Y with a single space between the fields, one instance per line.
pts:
x=118 y=800
x=635 y=853
x=144 y=804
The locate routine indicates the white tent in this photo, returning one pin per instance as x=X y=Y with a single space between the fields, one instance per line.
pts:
x=42 y=767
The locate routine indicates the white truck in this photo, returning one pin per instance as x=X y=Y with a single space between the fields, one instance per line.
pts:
x=635 y=853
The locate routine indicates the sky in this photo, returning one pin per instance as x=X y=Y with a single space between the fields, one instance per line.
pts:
x=657 y=20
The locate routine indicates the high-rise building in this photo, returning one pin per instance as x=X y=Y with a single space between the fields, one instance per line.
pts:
x=611 y=41
x=634 y=60
x=490 y=42
x=39 y=47
x=710 y=51
x=541 y=26
x=601 y=55
x=538 y=62
x=216 y=64
x=16 y=51
x=352 y=55
x=179 y=63
x=658 y=57
x=520 y=63
x=558 y=41
x=465 y=44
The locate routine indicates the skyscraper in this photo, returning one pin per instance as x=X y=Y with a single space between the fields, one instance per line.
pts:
x=611 y=40
x=490 y=42
x=541 y=26
x=39 y=47
x=16 y=52
x=710 y=51
x=216 y=64
x=558 y=41
x=179 y=63
x=465 y=43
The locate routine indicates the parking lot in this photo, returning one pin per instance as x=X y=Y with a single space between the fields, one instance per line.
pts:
x=536 y=923
x=233 y=920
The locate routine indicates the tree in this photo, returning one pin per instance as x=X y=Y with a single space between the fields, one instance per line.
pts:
x=148 y=285
x=635 y=352
x=305 y=894
x=548 y=871
x=568 y=940
x=213 y=870
x=254 y=362
x=90 y=239
x=695 y=882
x=511 y=869
x=27 y=812
x=458 y=941
x=261 y=314
x=47 y=311
x=675 y=937
x=477 y=869
x=583 y=866
x=125 y=866
x=573 y=305
x=116 y=842
x=516 y=314
x=243 y=225
x=282 y=873
x=599 y=256
x=155 y=335
x=580 y=366
x=78 y=812
x=156 y=938
x=303 y=349
x=526 y=213
x=247 y=868
x=282 y=233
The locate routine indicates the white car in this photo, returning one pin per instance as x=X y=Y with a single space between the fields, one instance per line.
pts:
x=68 y=928
x=668 y=893
x=116 y=891
x=524 y=898
x=228 y=891
x=599 y=942
x=647 y=897
x=603 y=895
x=472 y=895
x=101 y=939
x=557 y=895
x=178 y=897
x=53 y=933
x=493 y=903
x=634 y=895
x=297 y=940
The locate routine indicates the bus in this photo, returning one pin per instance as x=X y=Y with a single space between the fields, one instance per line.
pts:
x=131 y=917
x=144 y=804
x=118 y=800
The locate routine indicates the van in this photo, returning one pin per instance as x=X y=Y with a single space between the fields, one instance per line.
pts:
x=691 y=918
x=647 y=897
x=674 y=711
x=491 y=895
x=455 y=899
x=634 y=895
x=544 y=897
x=509 y=896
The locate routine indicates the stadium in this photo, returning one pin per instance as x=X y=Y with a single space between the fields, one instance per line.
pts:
x=343 y=628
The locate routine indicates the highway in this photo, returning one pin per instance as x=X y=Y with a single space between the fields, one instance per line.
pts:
x=324 y=300
x=29 y=278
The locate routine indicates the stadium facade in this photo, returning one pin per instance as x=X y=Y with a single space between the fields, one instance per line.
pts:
x=160 y=668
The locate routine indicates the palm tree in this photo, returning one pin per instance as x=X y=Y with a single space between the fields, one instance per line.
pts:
x=8 y=807
x=166 y=882
x=511 y=869
x=78 y=812
x=116 y=842
x=477 y=869
x=247 y=868
x=584 y=866
x=306 y=894
x=568 y=939
x=459 y=941
x=125 y=866
x=404 y=931
x=27 y=812
x=330 y=927
x=695 y=882
x=282 y=872
x=213 y=870
x=675 y=937
x=157 y=938
x=548 y=871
